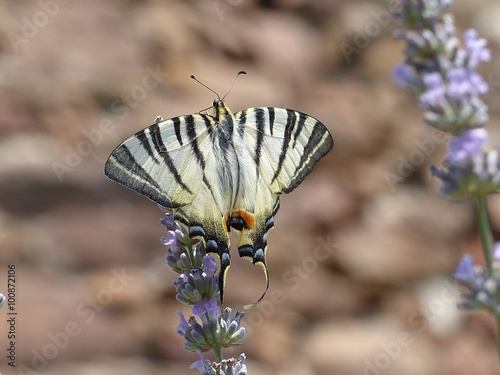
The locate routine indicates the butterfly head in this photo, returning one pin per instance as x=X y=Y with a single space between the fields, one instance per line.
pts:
x=220 y=109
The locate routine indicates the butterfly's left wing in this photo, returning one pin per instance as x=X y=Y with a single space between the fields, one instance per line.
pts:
x=283 y=146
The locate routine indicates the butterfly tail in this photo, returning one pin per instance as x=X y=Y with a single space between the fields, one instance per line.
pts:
x=252 y=245
x=221 y=251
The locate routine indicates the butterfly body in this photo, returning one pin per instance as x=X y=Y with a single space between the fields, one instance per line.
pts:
x=223 y=171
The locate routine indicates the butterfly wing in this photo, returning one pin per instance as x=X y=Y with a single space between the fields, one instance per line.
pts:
x=284 y=144
x=170 y=162
x=157 y=161
x=281 y=148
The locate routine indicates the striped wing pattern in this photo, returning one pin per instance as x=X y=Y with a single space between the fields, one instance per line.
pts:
x=223 y=171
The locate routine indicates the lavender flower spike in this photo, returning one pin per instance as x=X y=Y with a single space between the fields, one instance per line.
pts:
x=481 y=286
x=197 y=285
x=442 y=72
x=471 y=170
x=439 y=69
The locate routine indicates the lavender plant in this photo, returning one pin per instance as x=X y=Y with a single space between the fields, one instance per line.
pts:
x=197 y=286
x=441 y=70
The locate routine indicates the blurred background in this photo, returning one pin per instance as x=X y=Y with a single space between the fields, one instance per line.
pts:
x=362 y=252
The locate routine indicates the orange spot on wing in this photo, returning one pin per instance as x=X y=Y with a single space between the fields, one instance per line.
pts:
x=247 y=217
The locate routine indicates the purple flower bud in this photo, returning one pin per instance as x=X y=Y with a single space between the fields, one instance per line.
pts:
x=183 y=325
x=209 y=265
x=465 y=269
x=404 y=76
x=475 y=48
x=479 y=84
x=435 y=90
x=207 y=306
x=467 y=145
x=463 y=83
x=170 y=240
x=458 y=84
x=496 y=251
x=200 y=363
x=168 y=221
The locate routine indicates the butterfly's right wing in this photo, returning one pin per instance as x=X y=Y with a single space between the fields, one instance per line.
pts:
x=281 y=148
x=285 y=144
x=160 y=161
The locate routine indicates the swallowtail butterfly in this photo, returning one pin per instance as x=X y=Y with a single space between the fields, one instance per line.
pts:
x=223 y=171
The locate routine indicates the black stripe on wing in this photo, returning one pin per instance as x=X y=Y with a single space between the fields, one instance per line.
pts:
x=290 y=124
x=318 y=145
x=177 y=129
x=191 y=133
x=193 y=142
x=260 y=122
x=270 y=110
x=209 y=124
x=161 y=149
x=122 y=157
x=135 y=177
x=300 y=127
x=144 y=141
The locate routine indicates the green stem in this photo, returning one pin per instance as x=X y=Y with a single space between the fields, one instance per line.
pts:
x=484 y=228
x=216 y=347
x=498 y=334
x=218 y=353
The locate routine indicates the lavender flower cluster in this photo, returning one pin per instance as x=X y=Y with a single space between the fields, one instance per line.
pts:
x=197 y=285
x=482 y=287
x=441 y=70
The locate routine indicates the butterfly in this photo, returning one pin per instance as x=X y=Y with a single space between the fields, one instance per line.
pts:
x=223 y=171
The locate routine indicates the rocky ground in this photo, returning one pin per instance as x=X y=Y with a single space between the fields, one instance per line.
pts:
x=362 y=252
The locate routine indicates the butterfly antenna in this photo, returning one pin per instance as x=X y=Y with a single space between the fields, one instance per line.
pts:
x=234 y=82
x=201 y=83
